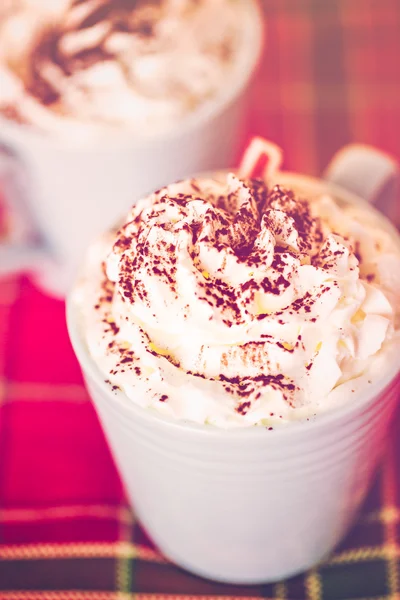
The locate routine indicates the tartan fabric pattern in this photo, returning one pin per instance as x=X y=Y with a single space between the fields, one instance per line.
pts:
x=329 y=76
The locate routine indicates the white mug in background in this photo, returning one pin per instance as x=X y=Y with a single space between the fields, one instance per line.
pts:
x=65 y=195
x=252 y=506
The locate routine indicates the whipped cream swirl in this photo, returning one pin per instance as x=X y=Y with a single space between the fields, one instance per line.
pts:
x=82 y=64
x=223 y=302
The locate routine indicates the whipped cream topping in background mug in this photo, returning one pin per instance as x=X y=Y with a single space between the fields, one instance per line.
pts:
x=247 y=504
x=81 y=68
x=73 y=155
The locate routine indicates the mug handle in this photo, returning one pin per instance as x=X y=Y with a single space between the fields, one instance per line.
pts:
x=370 y=174
x=25 y=250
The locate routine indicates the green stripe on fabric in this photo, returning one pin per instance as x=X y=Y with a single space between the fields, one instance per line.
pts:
x=169 y=579
x=58 y=574
x=355 y=581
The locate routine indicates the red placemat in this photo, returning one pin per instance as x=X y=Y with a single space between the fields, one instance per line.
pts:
x=329 y=76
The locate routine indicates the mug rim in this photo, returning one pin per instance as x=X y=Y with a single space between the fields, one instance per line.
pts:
x=253 y=45
x=325 y=418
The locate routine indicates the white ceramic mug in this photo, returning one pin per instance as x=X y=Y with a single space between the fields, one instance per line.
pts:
x=251 y=506
x=65 y=196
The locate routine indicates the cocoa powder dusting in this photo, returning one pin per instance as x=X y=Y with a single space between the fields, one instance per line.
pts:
x=128 y=16
x=231 y=225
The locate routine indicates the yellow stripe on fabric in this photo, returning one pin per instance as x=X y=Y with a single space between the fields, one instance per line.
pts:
x=366 y=553
x=313 y=585
x=53 y=513
x=9 y=289
x=3 y=390
x=80 y=550
x=123 y=574
x=388 y=490
x=391 y=514
x=32 y=391
x=280 y=591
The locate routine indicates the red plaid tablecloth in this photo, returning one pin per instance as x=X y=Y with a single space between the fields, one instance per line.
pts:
x=330 y=75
